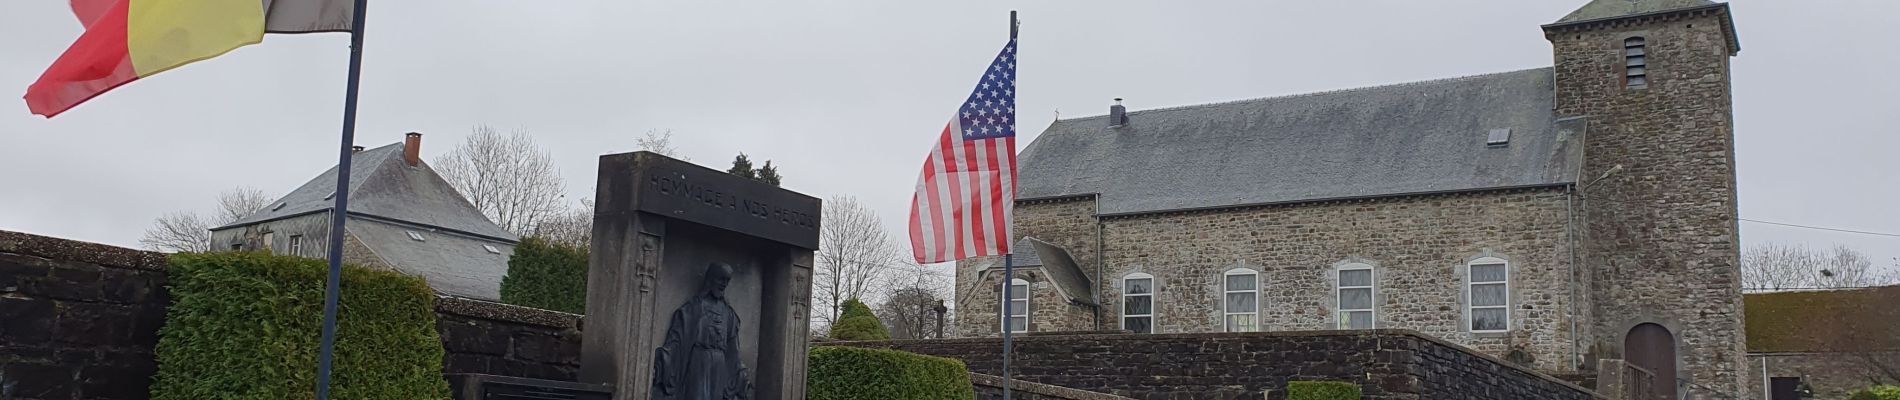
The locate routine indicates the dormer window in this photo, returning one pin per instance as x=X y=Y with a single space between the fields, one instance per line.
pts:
x=415 y=236
x=1635 y=63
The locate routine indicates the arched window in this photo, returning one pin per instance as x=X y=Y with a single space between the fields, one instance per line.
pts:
x=1138 y=303
x=1488 y=295
x=1017 y=320
x=1356 y=296
x=1635 y=62
x=1240 y=303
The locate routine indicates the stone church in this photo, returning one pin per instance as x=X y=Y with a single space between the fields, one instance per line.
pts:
x=1553 y=217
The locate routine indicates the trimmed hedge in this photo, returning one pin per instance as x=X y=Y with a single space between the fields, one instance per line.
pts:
x=248 y=325
x=850 y=373
x=858 y=323
x=1321 y=390
x=547 y=275
x=1879 y=392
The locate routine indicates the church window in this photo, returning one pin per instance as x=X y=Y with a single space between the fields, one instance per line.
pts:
x=1489 y=281
x=1635 y=62
x=1241 y=300
x=1355 y=292
x=1018 y=306
x=1138 y=303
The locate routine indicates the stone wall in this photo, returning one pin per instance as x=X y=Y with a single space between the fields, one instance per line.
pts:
x=499 y=339
x=1419 y=247
x=1832 y=375
x=990 y=387
x=77 y=320
x=1388 y=364
x=1661 y=235
x=80 y=321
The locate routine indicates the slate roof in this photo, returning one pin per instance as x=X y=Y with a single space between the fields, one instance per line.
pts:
x=382 y=185
x=1412 y=138
x=1821 y=321
x=454 y=265
x=1058 y=265
x=1599 y=9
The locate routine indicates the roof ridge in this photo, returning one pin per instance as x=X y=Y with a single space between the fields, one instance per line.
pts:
x=1320 y=93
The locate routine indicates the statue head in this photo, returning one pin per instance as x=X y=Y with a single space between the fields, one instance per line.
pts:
x=717 y=276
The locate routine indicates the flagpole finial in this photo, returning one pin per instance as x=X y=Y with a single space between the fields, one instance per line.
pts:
x=1012 y=24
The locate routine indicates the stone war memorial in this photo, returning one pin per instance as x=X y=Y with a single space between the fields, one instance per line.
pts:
x=699 y=283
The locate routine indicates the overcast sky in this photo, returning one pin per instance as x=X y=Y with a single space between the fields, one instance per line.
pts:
x=847 y=97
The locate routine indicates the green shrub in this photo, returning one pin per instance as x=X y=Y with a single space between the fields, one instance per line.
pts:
x=547 y=275
x=1877 y=392
x=248 y=325
x=1328 y=390
x=850 y=373
x=857 y=322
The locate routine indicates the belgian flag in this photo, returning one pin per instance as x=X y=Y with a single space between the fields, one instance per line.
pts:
x=126 y=40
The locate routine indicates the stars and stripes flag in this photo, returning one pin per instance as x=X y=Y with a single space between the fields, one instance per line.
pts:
x=962 y=205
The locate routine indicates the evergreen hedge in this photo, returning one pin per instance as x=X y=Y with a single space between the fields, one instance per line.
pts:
x=547 y=275
x=857 y=322
x=247 y=326
x=1878 y=392
x=1321 y=390
x=850 y=373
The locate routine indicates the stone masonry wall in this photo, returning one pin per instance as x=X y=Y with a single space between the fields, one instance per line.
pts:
x=499 y=339
x=77 y=320
x=1388 y=364
x=1069 y=223
x=1419 y=247
x=1049 y=310
x=1833 y=376
x=80 y=321
x=1661 y=234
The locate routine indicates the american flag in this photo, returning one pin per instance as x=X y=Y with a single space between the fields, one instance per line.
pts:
x=962 y=205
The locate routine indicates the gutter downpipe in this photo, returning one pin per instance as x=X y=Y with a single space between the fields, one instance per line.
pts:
x=1570 y=207
x=1100 y=262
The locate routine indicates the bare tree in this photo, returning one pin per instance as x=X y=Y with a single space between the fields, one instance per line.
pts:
x=1776 y=267
x=660 y=142
x=510 y=178
x=852 y=251
x=574 y=226
x=910 y=310
x=183 y=231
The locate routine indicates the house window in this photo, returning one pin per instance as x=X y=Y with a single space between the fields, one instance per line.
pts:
x=1635 y=62
x=414 y=236
x=1241 y=300
x=1018 y=307
x=296 y=244
x=1489 y=294
x=237 y=247
x=1355 y=293
x=1138 y=303
x=270 y=242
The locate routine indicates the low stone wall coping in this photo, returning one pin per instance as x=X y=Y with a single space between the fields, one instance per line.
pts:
x=86 y=252
x=1037 y=388
x=506 y=312
x=1100 y=335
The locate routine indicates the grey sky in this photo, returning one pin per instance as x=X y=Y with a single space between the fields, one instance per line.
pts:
x=847 y=96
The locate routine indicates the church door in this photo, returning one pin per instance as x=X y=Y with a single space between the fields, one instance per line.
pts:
x=1651 y=347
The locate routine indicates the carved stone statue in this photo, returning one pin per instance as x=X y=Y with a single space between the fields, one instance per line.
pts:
x=700 y=358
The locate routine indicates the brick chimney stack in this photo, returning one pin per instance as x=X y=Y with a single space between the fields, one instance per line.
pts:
x=412 y=149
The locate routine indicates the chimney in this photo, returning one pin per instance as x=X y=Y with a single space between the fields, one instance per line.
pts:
x=412 y=149
x=356 y=149
x=1117 y=115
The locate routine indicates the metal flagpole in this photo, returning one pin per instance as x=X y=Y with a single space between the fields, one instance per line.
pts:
x=1009 y=272
x=327 y=352
x=1009 y=279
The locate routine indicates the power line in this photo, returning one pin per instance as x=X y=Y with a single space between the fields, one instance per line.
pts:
x=1820 y=228
x=1630 y=203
